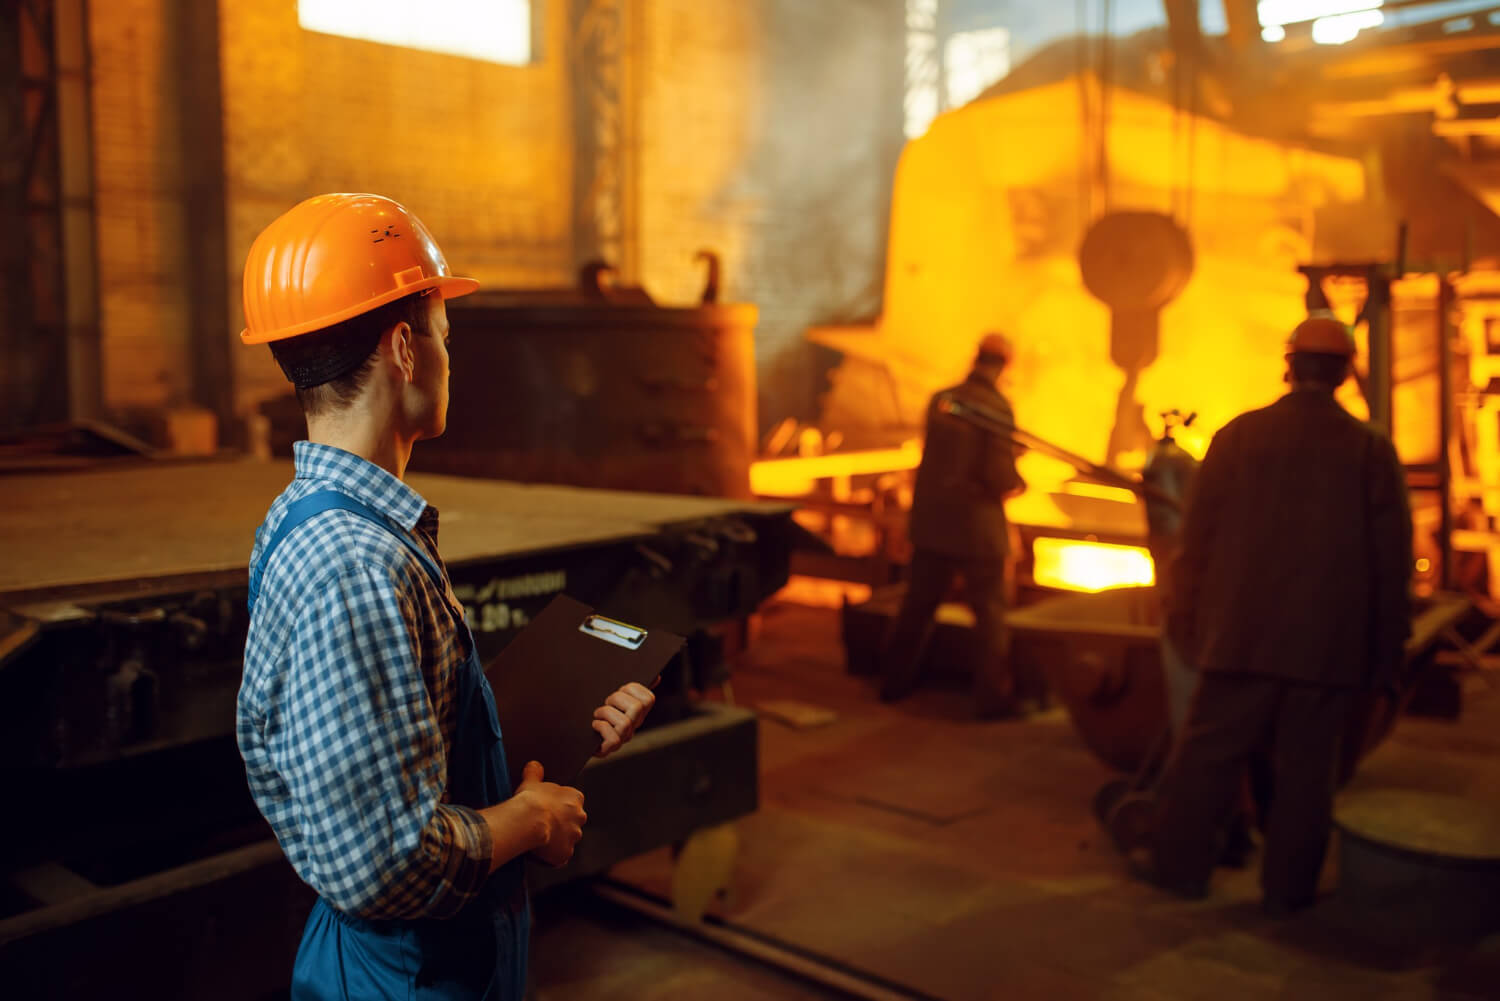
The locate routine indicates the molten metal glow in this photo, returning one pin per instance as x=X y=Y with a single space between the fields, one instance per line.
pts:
x=1073 y=565
x=984 y=239
x=794 y=477
x=820 y=592
x=1079 y=488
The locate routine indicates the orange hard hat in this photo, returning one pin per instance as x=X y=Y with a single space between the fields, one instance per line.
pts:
x=334 y=257
x=996 y=345
x=1322 y=333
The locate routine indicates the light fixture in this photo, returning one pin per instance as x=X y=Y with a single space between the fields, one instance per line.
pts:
x=1284 y=12
x=1345 y=27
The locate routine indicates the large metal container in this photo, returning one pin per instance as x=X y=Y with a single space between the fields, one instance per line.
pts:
x=571 y=388
x=1418 y=867
x=1102 y=657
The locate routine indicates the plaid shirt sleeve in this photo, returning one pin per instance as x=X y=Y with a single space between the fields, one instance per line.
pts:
x=362 y=758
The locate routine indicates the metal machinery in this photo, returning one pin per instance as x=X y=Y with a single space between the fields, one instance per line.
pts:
x=1135 y=263
x=123 y=623
x=1161 y=488
x=602 y=387
x=1102 y=656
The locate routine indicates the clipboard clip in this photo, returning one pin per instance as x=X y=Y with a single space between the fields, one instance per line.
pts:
x=612 y=631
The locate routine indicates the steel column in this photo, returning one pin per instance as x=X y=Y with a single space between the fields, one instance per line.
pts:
x=1377 y=316
x=49 y=327
x=602 y=51
x=1446 y=305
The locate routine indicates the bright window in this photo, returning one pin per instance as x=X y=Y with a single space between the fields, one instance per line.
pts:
x=923 y=99
x=1343 y=28
x=1293 y=11
x=974 y=60
x=1334 y=22
x=497 y=31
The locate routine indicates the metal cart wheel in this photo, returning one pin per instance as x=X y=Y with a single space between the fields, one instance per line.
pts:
x=1108 y=795
x=1130 y=819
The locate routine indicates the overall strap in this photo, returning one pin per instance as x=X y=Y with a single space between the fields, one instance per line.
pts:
x=314 y=504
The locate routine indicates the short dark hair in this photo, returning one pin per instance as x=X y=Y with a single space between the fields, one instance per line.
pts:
x=331 y=367
x=1323 y=369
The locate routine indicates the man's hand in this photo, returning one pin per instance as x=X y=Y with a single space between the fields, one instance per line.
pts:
x=557 y=811
x=621 y=715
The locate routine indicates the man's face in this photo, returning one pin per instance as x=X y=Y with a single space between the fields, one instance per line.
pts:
x=430 y=379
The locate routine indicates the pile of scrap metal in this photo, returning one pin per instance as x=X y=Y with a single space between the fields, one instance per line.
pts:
x=123 y=597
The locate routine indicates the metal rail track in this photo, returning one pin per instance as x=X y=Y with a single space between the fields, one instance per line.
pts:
x=743 y=943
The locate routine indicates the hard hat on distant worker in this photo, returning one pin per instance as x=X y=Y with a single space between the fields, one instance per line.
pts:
x=995 y=348
x=1324 y=334
x=334 y=257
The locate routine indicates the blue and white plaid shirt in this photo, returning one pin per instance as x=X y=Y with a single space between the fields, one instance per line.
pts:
x=347 y=707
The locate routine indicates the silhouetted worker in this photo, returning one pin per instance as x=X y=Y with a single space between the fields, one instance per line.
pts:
x=1291 y=594
x=958 y=529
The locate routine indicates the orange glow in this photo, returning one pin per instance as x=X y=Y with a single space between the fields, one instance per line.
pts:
x=820 y=592
x=1073 y=565
x=1079 y=488
x=794 y=477
x=983 y=238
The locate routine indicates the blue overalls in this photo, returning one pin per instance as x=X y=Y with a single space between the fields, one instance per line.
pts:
x=481 y=951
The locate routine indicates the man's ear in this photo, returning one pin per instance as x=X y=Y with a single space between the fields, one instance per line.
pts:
x=402 y=352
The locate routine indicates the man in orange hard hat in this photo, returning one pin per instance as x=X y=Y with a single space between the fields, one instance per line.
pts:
x=958 y=530
x=368 y=731
x=1291 y=595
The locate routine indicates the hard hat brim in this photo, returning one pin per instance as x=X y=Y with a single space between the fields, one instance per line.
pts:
x=449 y=286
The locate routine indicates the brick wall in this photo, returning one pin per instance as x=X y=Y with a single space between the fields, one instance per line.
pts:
x=480 y=151
x=766 y=130
x=769 y=132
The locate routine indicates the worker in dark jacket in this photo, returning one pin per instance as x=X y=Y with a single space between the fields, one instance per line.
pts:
x=1292 y=594
x=958 y=529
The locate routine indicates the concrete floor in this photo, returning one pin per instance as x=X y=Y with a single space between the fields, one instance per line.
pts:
x=960 y=859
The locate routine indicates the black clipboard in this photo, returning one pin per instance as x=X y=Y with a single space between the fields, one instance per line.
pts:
x=552 y=676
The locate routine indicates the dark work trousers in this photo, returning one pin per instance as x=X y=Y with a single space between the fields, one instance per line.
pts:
x=984 y=591
x=1300 y=728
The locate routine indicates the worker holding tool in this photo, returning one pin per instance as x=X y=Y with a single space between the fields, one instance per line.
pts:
x=959 y=530
x=368 y=730
x=1290 y=593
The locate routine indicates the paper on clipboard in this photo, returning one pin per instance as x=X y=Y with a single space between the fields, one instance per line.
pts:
x=552 y=676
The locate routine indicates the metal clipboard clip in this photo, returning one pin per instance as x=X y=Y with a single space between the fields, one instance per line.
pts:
x=611 y=631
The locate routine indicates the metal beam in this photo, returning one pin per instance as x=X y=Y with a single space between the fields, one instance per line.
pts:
x=75 y=208
x=1446 y=300
x=1467 y=127
x=49 y=328
x=193 y=42
x=604 y=111
x=15 y=278
x=1184 y=30
x=1244 y=24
